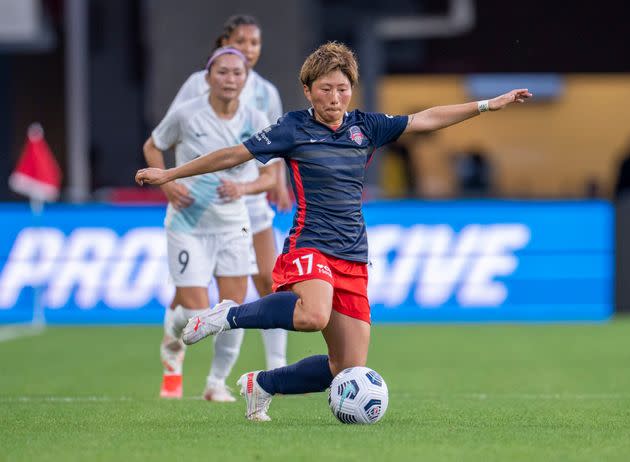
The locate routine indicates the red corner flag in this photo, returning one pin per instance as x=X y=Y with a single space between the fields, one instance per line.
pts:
x=37 y=174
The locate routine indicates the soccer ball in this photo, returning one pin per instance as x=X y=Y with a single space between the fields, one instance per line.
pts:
x=358 y=395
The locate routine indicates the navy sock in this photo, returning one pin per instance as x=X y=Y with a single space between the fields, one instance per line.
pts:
x=312 y=374
x=270 y=312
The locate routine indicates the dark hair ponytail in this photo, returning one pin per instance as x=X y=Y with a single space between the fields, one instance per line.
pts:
x=232 y=23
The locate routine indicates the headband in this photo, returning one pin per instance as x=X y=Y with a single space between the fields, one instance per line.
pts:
x=225 y=51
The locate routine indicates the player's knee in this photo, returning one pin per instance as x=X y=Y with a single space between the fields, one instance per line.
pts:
x=313 y=320
x=319 y=320
x=191 y=298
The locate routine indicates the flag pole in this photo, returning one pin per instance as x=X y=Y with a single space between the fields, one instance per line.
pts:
x=39 y=315
x=36 y=203
x=37 y=176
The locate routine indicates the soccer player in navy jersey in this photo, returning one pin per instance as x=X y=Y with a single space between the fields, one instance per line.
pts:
x=320 y=279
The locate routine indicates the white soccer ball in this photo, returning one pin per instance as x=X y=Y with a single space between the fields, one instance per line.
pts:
x=358 y=395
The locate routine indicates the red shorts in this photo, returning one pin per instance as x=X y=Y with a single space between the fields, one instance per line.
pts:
x=349 y=279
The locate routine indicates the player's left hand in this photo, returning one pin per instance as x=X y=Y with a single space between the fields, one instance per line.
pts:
x=230 y=190
x=156 y=176
x=515 y=96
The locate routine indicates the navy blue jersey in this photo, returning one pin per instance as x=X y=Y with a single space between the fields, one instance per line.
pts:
x=327 y=169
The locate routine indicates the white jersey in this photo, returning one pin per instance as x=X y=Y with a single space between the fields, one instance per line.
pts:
x=258 y=93
x=194 y=129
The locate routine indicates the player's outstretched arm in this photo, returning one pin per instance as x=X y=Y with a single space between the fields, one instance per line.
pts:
x=443 y=116
x=213 y=162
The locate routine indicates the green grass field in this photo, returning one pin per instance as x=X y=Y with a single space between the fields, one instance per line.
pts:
x=457 y=393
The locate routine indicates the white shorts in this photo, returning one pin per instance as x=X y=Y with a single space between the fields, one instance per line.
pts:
x=193 y=259
x=260 y=215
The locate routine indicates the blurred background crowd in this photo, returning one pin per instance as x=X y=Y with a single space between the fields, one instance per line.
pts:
x=99 y=74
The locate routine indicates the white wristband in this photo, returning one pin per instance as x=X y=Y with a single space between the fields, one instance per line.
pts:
x=483 y=106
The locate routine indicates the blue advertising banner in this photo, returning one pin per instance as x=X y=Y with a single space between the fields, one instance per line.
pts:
x=461 y=261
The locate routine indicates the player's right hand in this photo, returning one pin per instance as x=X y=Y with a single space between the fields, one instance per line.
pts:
x=151 y=175
x=177 y=194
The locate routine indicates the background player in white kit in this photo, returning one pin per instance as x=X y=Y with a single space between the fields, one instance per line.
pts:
x=207 y=235
x=244 y=33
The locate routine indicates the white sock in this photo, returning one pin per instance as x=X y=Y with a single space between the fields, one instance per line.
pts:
x=227 y=346
x=275 y=341
x=176 y=319
x=172 y=352
x=172 y=349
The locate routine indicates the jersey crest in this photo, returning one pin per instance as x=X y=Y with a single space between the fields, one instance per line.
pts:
x=356 y=135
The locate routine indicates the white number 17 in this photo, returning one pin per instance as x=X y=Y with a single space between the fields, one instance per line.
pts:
x=309 y=266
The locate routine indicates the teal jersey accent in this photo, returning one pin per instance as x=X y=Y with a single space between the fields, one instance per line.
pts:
x=204 y=191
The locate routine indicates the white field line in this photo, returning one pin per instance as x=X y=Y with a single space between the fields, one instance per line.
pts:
x=11 y=332
x=466 y=396
x=82 y=399
x=519 y=396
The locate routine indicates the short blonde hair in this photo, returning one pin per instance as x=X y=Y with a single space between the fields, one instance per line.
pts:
x=330 y=57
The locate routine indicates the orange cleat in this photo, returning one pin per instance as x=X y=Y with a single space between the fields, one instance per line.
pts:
x=171 y=386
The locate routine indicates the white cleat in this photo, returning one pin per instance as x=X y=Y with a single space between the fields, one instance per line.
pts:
x=219 y=393
x=208 y=322
x=257 y=399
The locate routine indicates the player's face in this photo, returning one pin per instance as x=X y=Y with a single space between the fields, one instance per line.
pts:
x=246 y=39
x=227 y=77
x=330 y=96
